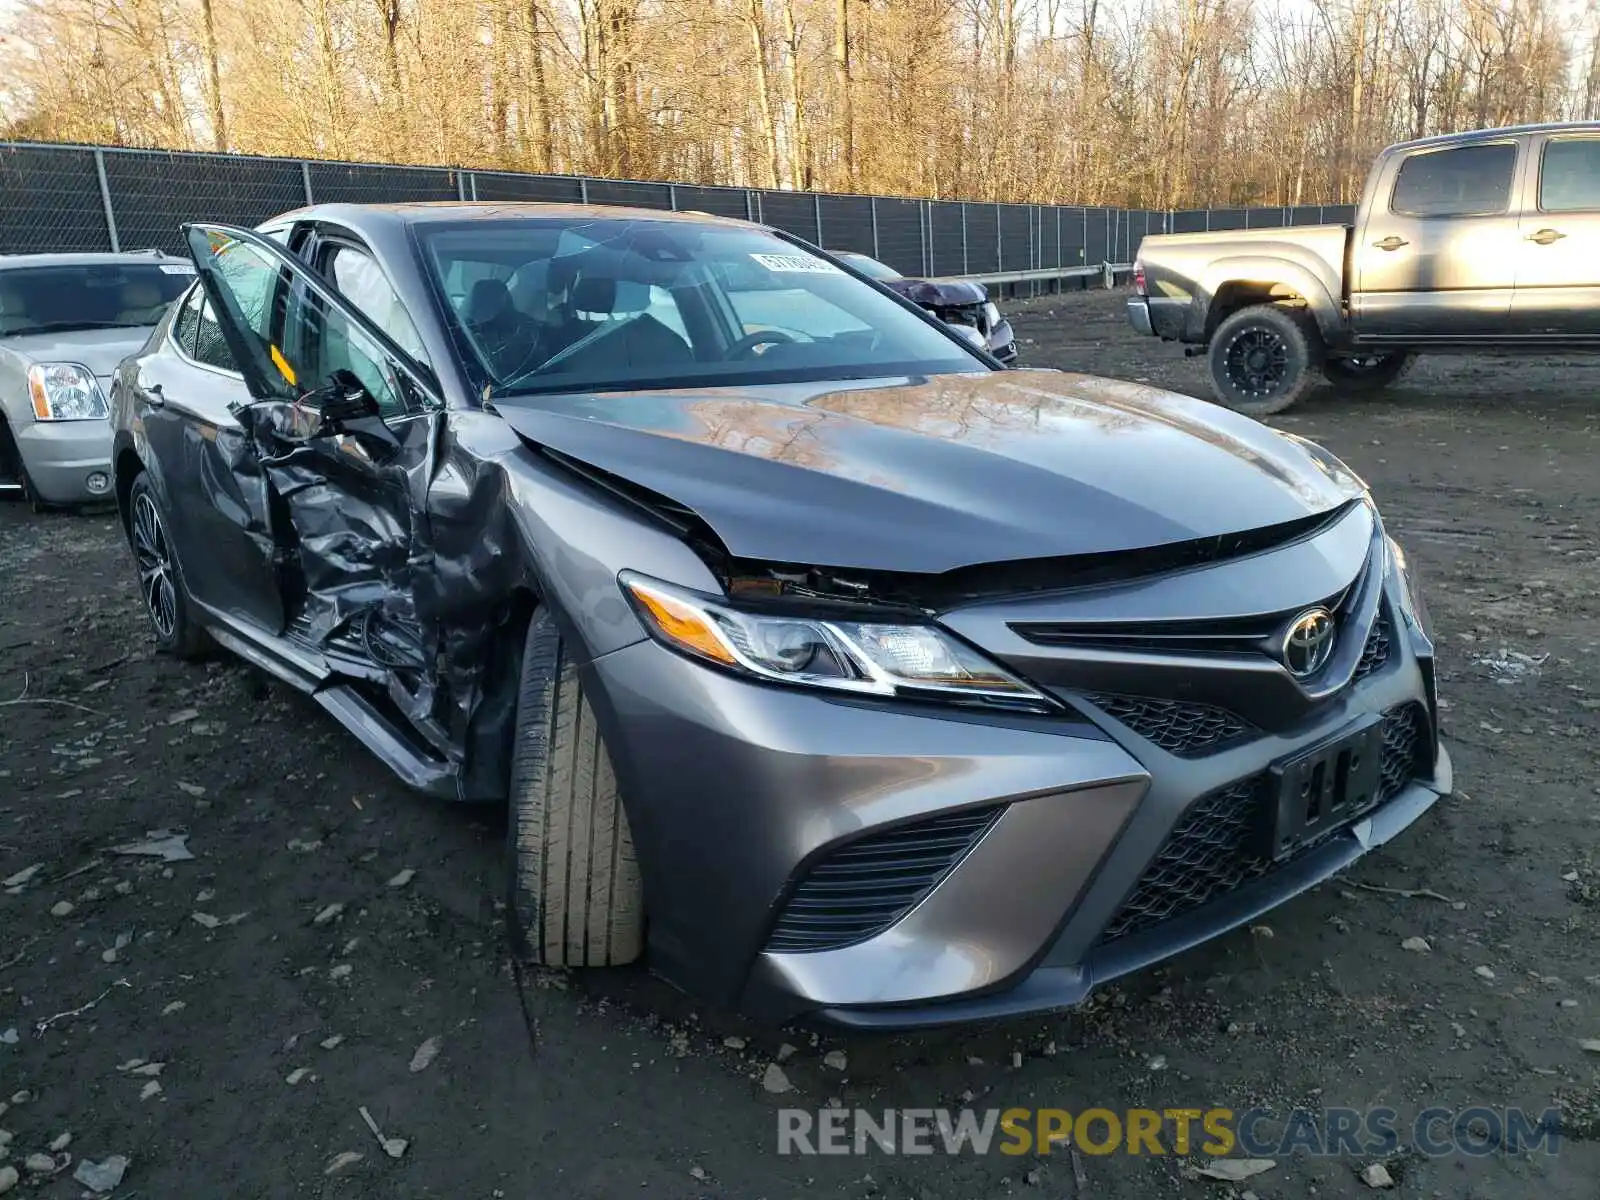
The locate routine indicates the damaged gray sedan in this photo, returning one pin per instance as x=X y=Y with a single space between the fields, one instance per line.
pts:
x=843 y=672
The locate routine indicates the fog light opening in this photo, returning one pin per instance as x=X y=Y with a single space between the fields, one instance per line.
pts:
x=98 y=483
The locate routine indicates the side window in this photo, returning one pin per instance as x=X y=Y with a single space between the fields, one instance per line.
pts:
x=210 y=347
x=1464 y=182
x=188 y=317
x=1569 y=177
x=296 y=340
x=253 y=280
x=321 y=341
x=359 y=278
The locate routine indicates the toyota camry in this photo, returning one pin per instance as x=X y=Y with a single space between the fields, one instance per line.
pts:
x=826 y=664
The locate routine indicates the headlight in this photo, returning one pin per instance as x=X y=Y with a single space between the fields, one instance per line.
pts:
x=991 y=313
x=911 y=661
x=971 y=332
x=1412 y=606
x=65 y=392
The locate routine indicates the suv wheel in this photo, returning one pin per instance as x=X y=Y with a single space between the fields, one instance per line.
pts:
x=1367 y=373
x=576 y=895
x=166 y=600
x=1262 y=358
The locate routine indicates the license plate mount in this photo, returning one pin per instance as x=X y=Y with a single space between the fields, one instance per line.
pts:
x=1317 y=791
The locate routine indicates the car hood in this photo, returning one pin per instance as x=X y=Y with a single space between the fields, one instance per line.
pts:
x=98 y=349
x=945 y=293
x=935 y=473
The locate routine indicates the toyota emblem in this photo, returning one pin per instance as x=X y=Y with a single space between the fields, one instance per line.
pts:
x=1308 y=643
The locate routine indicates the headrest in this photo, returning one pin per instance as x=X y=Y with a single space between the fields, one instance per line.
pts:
x=488 y=300
x=604 y=294
x=140 y=293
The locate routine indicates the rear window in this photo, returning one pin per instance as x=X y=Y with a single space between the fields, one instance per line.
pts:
x=1465 y=182
x=1569 y=180
x=57 y=299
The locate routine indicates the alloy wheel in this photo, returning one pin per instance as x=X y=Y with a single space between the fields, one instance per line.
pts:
x=153 y=557
x=1258 y=361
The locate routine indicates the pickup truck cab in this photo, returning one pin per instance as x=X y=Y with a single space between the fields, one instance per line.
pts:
x=1477 y=241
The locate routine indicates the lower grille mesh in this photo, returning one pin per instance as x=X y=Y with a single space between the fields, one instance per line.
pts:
x=860 y=889
x=1177 y=726
x=1215 y=847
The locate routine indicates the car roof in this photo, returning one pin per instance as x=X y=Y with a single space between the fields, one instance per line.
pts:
x=1473 y=136
x=363 y=216
x=9 y=262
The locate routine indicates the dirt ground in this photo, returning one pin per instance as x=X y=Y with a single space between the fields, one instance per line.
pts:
x=267 y=1018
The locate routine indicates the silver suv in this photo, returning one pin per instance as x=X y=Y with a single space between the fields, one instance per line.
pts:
x=66 y=321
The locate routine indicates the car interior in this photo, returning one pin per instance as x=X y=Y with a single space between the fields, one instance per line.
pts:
x=627 y=302
x=85 y=297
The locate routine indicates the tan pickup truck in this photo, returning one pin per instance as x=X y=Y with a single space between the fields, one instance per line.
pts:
x=1474 y=241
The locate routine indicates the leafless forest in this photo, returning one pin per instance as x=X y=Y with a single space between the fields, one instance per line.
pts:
x=1138 y=102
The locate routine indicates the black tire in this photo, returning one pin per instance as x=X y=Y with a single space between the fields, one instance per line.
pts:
x=13 y=471
x=1263 y=358
x=576 y=895
x=1364 y=374
x=161 y=586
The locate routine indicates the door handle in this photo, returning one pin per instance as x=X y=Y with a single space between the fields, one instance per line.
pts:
x=1546 y=237
x=1391 y=243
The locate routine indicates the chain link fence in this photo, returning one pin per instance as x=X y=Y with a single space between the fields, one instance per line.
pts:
x=77 y=198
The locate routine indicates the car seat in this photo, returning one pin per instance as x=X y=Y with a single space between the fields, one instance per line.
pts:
x=142 y=303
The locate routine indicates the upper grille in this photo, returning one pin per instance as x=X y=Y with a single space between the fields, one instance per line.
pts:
x=1216 y=846
x=862 y=888
x=1376 y=652
x=1177 y=726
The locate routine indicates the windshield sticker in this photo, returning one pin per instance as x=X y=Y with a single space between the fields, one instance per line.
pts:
x=176 y=269
x=796 y=262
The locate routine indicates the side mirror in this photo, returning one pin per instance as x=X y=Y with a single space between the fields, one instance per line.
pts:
x=323 y=411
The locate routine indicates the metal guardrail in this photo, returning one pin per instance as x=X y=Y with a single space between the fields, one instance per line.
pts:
x=1108 y=271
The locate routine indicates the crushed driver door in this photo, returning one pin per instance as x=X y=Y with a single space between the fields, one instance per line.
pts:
x=345 y=427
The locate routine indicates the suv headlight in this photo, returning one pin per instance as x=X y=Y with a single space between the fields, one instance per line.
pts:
x=908 y=661
x=991 y=313
x=66 y=392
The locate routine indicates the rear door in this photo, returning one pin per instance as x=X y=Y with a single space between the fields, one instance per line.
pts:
x=1558 y=259
x=1437 y=257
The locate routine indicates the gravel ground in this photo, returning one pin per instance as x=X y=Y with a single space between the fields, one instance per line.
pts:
x=336 y=944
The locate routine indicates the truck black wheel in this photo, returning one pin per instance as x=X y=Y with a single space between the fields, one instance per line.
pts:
x=1362 y=374
x=1263 y=357
x=576 y=896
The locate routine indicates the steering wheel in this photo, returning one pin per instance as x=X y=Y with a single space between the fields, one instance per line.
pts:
x=761 y=337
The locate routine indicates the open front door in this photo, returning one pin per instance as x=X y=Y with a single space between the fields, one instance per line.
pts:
x=343 y=427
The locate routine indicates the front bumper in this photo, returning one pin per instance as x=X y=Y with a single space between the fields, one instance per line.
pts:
x=1002 y=342
x=742 y=797
x=1139 y=316
x=68 y=462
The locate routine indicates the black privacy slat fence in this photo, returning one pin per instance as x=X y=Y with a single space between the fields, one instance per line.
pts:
x=77 y=198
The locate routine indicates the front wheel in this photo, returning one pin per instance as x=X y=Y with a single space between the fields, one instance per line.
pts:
x=1262 y=358
x=1366 y=373
x=576 y=896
